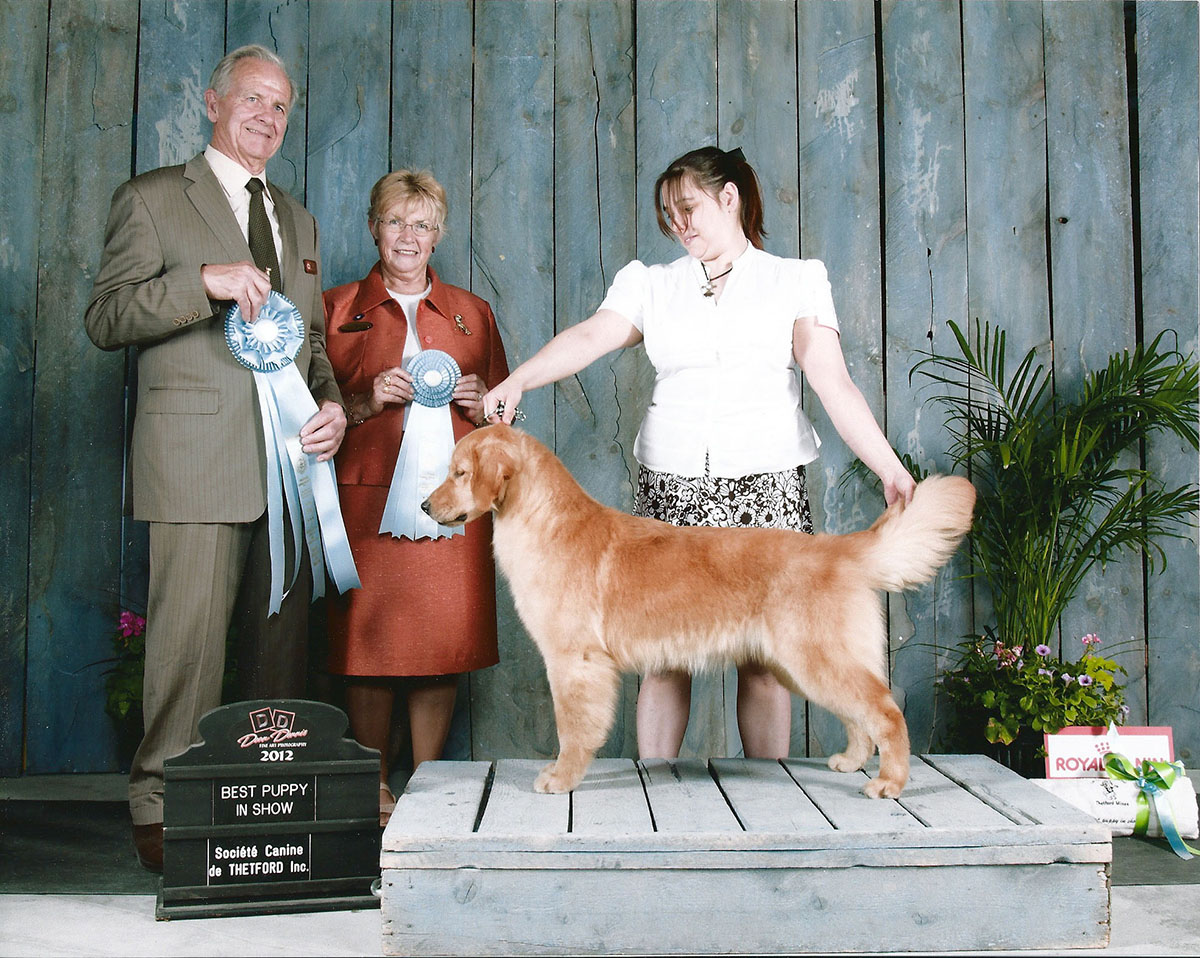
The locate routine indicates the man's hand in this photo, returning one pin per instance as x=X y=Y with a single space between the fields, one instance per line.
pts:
x=322 y=434
x=244 y=283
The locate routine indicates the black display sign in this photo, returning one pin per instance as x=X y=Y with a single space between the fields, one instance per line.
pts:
x=276 y=810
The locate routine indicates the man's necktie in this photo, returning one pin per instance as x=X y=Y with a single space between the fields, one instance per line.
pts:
x=262 y=243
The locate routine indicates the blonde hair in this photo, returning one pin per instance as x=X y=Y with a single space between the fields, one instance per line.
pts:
x=410 y=186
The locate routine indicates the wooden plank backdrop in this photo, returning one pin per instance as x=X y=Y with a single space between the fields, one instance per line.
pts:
x=1028 y=164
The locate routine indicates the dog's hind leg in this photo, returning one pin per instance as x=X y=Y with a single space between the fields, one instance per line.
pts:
x=871 y=714
x=862 y=700
x=859 y=748
x=584 y=689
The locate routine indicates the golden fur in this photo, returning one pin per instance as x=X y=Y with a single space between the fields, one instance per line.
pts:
x=602 y=592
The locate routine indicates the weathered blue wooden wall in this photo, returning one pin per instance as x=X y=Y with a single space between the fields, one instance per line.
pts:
x=1029 y=164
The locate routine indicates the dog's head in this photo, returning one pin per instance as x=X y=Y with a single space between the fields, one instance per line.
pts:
x=481 y=467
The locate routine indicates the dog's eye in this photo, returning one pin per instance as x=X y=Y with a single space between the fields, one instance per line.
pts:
x=458 y=473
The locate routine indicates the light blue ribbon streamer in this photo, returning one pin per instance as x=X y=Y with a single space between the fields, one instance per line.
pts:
x=268 y=348
x=424 y=457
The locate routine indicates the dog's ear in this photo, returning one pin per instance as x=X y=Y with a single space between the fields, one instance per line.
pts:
x=495 y=465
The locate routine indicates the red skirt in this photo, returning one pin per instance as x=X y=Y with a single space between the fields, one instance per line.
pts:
x=425 y=608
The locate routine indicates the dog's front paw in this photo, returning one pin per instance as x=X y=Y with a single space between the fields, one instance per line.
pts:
x=552 y=781
x=844 y=763
x=882 y=788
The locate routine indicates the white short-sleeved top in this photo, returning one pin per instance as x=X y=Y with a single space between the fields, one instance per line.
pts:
x=725 y=383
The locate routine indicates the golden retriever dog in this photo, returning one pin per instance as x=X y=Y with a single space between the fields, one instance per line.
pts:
x=602 y=593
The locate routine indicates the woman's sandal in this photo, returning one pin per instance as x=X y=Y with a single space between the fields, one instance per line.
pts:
x=387 y=804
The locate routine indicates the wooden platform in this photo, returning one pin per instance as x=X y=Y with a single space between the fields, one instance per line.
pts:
x=738 y=857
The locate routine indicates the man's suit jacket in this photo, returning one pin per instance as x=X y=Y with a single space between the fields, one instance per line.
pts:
x=197 y=436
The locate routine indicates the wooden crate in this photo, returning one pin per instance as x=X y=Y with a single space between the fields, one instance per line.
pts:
x=737 y=857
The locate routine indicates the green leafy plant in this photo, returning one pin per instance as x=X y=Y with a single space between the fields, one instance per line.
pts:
x=1059 y=487
x=1007 y=690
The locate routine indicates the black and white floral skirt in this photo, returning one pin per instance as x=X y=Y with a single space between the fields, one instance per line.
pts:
x=769 y=500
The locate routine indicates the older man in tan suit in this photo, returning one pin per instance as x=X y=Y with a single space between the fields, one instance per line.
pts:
x=177 y=254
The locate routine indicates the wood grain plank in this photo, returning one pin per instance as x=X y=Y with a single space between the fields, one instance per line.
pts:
x=765 y=797
x=839 y=797
x=512 y=267
x=1005 y=129
x=677 y=97
x=1013 y=796
x=728 y=851
x=75 y=476
x=925 y=260
x=757 y=111
x=684 y=798
x=514 y=808
x=1091 y=260
x=937 y=801
x=348 y=131
x=441 y=799
x=597 y=411
x=284 y=28
x=1167 y=94
x=610 y=801
x=432 y=85
x=840 y=219
x=479 y=911
x=179 y=45
x=22 y=81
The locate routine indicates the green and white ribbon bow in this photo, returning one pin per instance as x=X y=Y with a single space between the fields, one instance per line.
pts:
x=268 y=347
x=1154 y=780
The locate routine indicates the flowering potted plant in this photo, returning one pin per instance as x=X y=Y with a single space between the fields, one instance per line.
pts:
x=1060 y=489
x=1014 y=694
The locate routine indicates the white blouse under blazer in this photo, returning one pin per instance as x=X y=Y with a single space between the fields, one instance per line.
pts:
x=725 y=383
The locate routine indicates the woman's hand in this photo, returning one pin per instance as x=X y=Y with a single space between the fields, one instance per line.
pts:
x=505 y=396
x=392 y=385
x=468 y=394
x=898 y=485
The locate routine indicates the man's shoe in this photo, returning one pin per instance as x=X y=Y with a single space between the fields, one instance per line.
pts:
x=148 y=840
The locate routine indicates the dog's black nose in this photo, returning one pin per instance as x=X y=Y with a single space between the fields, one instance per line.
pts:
x=425 y=508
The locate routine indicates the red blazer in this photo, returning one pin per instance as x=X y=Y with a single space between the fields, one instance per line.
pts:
x=449 y=318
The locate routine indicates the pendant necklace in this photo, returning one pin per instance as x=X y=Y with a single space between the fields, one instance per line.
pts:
x=707 y=286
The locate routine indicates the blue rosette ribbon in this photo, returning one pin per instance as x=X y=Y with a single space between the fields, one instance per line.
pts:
x=1154 y=780
x=424 y=457
x=268 y=348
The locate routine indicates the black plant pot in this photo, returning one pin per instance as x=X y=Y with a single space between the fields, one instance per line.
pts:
x=129 y=737
x=1021 y=756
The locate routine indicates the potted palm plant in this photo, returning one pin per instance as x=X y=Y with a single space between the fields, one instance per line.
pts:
x=1057 y=494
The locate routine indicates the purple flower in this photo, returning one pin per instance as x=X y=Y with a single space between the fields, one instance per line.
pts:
x=1067 y=678
x=1124 y=709
x=1046 y=672
x=1085 y=680
x=1043 y=650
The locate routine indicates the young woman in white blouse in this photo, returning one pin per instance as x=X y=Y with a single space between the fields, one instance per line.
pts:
x=724 y=441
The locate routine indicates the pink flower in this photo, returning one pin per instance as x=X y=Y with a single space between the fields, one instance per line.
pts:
x=131 y=624
x=1090 y=639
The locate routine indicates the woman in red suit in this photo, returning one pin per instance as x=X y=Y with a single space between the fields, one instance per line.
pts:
x=426 y=611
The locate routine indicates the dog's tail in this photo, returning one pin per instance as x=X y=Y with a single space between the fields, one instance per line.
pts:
x=907 y=545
